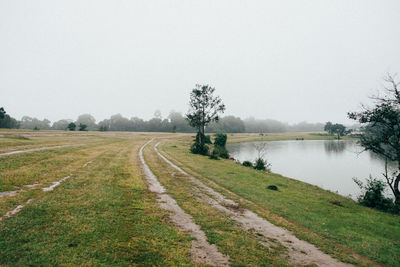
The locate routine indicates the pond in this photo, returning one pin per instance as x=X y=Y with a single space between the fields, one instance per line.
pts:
x=329 y=164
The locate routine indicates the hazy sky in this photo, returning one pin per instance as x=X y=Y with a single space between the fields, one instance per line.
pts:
x=286 y=60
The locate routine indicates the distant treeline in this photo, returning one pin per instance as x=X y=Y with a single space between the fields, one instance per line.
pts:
x=174 y=123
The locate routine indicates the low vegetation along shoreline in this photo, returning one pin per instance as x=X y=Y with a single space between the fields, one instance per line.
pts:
x=104 y=214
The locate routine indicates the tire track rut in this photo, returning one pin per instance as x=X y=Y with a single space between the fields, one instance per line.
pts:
x=299 y=252
x=202 y=251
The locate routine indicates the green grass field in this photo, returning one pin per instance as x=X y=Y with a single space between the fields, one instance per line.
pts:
x=103 y=214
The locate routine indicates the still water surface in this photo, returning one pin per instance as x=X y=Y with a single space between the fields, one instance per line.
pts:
x=329 y=164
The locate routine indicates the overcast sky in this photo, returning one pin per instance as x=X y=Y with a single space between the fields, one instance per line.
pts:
x=287 y=60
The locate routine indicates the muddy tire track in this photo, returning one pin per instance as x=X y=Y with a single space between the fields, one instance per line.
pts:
x=34 y=150
x=202 y=251
x=32 y=186
x=299 y=252
x=15 y=211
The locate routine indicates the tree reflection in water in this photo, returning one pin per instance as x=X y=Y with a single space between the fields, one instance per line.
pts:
x=336 y=147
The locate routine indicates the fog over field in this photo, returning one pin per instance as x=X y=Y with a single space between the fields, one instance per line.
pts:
x=286 y=60
x=200 y=133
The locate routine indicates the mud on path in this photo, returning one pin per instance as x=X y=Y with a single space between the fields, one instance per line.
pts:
x=15 y=211
x=32 y=186
x=299 y=252
x=202 y=251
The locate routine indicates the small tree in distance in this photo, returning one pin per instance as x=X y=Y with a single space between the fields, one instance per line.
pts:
x=82 y=127
x=204 y=109
x=337 y=128
x=71 y=126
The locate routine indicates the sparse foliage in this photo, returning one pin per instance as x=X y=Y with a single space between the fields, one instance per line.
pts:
x=261 y=163
x=381 y=131
x=373 y=194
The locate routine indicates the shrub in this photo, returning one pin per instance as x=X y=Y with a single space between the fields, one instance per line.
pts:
x=214 y=155
x=221 y=151
x=220 y=140
x=197 y=148
x=272 y=187
x=373 y=195
x=207 y=139
x=219 y=146
x=262 y=165
x=247 y=163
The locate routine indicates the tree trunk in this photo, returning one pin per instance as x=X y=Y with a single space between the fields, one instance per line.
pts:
x=202 y=128
x=397 y=192
x=202 y=136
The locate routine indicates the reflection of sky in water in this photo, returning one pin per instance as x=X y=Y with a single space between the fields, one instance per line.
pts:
x=327 y=164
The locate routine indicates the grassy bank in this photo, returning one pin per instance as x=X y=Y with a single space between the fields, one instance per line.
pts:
x=334 y=223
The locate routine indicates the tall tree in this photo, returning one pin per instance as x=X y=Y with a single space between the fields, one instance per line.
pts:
x=204 y=108
x=381 y=131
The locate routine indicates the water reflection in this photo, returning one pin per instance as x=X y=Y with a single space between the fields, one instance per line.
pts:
x=329 y=164
x=336 y=147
